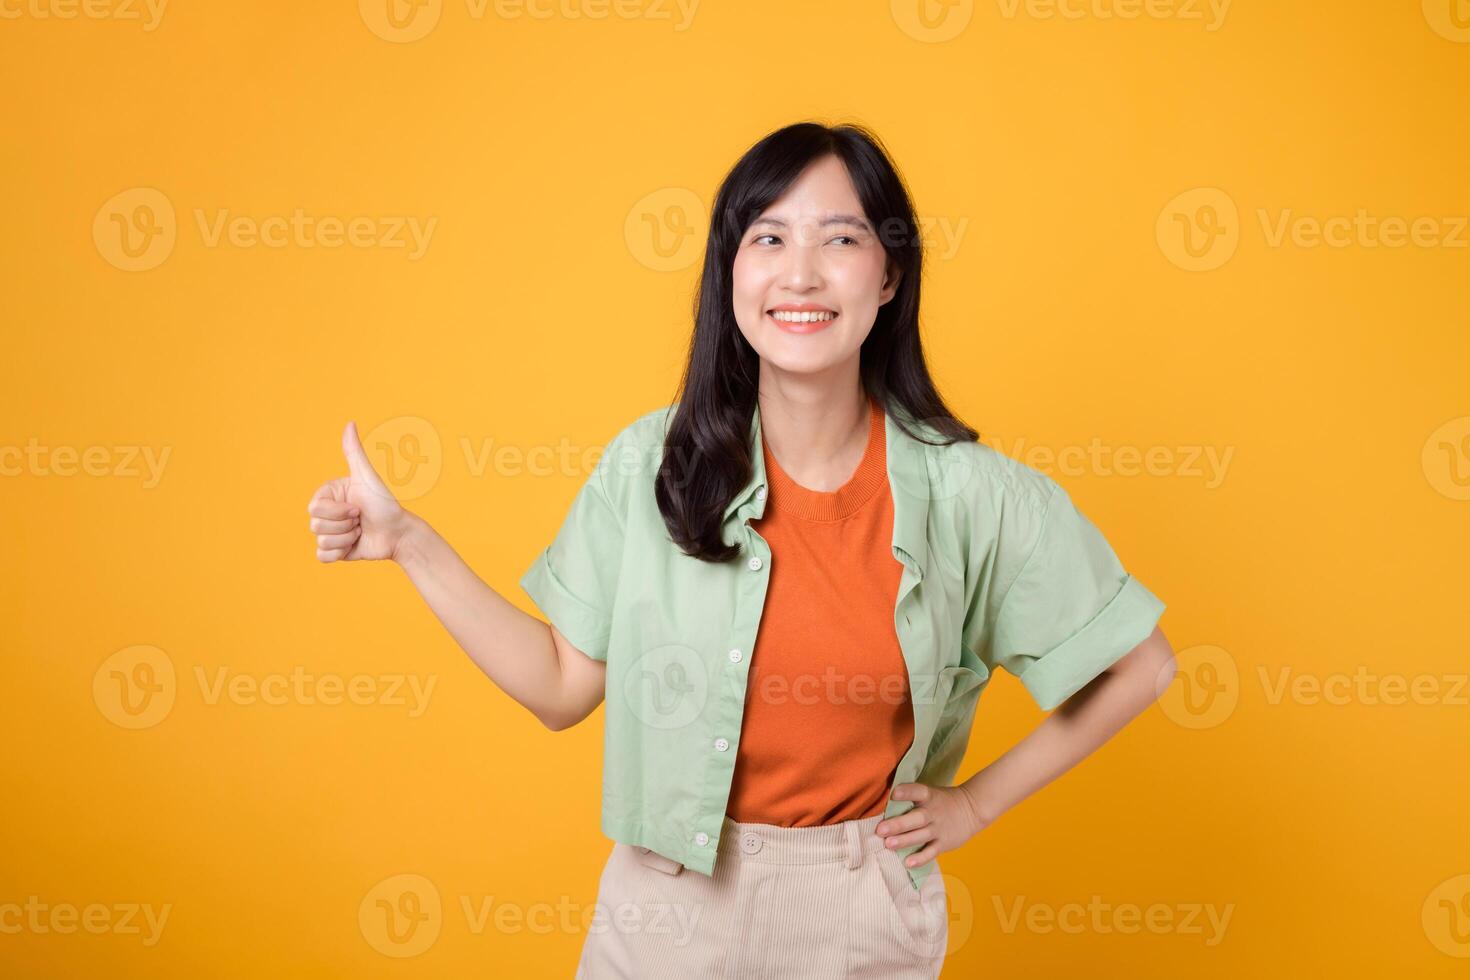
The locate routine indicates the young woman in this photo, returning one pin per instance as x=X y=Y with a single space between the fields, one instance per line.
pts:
x=790 y=587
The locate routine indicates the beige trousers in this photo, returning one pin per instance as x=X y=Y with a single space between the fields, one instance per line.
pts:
x=808 y=903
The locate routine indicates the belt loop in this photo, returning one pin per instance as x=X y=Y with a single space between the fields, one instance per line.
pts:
x=854 y=844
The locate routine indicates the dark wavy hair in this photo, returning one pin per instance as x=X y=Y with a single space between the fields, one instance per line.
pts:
x=708 y=452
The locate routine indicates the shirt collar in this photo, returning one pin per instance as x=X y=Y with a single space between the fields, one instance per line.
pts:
x=908 y=479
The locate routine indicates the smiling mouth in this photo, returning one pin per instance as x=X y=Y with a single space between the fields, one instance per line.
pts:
x=801 y=322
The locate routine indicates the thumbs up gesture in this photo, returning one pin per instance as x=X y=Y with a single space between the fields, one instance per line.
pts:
x=356 y=516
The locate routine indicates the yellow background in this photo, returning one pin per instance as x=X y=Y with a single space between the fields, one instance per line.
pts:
x=544 y=312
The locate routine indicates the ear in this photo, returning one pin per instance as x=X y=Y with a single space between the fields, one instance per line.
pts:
x=890 y=283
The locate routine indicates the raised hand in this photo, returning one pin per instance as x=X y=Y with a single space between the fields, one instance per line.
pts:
x=356 y=516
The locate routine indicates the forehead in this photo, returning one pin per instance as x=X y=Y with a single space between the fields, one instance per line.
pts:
x=822 y=190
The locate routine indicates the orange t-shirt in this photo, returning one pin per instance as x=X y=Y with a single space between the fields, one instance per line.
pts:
x=827 y=709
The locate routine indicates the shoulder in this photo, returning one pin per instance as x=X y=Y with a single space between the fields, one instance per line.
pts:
x=644 y=435
x=982 y=477
x=650 y=427
x=631 y=457
x=989 y=507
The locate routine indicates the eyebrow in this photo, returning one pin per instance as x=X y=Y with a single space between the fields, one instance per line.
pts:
x=836 y=219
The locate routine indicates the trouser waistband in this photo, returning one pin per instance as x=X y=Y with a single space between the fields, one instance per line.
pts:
x=847 y=841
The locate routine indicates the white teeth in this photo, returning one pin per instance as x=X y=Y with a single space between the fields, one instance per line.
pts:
x=790 y=317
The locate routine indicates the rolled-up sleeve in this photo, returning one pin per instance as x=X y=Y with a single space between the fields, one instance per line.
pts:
x=574 y=581
x=1072 y=610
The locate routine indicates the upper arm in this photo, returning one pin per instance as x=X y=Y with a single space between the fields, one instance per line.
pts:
x=574 y=580
x=583 y=682
x=1152 y=658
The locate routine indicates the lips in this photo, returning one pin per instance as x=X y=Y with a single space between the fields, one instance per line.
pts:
x=804 y=326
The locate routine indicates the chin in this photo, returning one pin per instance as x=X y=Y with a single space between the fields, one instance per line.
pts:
x=814 y=363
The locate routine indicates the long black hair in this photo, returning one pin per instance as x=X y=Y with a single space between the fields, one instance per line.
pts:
x=708 y=453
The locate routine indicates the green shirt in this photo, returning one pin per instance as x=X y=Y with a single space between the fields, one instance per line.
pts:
x=1000 y=569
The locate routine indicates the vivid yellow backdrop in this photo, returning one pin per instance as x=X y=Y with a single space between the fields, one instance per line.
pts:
x=1108 y=268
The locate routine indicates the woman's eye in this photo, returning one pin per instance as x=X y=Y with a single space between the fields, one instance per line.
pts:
x=760 y=239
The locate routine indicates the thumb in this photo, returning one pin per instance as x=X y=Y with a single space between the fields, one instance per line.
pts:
x=358 y=463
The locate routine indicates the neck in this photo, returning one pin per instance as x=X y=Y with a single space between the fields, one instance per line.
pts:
x=817 y=431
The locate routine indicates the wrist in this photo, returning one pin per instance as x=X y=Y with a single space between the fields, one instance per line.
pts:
x=982 y=812
x=408 y=546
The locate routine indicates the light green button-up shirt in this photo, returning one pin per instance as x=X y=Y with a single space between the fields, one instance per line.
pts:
x=1000 y=569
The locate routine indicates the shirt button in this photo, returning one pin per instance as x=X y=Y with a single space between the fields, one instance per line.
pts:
x=755 y=564
x=722 y=744
x=735 y=656
x=760 y=494
x=701 y=838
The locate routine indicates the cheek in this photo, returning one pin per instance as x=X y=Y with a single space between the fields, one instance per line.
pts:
x=859 y=283
x=750 y=286
x=748 y=289
x=747 y=280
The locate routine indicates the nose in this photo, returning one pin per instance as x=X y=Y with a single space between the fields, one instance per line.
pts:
x=803 y=267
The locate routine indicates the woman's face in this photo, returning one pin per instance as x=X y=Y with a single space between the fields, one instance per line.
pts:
x=814 y=250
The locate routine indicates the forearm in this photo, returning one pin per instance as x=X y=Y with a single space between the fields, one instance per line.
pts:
x=514 y=649
x=1076 y=729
